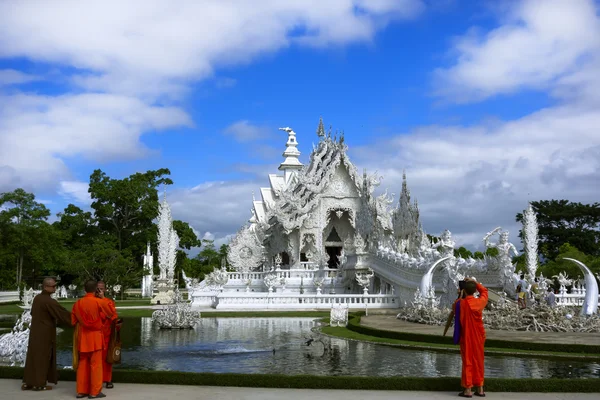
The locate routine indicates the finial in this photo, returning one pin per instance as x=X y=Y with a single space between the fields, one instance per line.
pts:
x=321 y=128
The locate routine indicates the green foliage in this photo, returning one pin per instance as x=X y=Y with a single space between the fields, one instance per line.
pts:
x=462 y=252
x=554 y=267
x=561 y=221
x=478 y=255
x=492 y=252
x=26 y=240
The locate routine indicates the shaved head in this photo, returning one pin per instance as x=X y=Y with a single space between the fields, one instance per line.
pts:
x=48 y=282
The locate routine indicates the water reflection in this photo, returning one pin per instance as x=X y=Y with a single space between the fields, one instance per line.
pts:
x=277 y=345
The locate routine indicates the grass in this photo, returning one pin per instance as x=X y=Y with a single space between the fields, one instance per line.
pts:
x=345 y=333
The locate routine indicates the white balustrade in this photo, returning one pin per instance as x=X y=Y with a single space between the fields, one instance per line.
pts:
x=265 y=300
x=9 y=296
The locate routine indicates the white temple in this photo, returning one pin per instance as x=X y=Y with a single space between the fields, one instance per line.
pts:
x=320 y=236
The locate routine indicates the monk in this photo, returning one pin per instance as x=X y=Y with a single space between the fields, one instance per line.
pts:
x=472 y=337
x=40 y=364
x=89 y=315
x=106 y=331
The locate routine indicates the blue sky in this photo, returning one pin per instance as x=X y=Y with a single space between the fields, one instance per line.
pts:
x=486 y=104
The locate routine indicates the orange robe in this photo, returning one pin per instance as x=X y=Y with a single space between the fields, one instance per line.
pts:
x=88 y=316
x=106 y=331
x=472 y=338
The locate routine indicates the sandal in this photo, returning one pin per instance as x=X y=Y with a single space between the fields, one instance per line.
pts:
x=26 y=387
x=40 y=388
x=462 y=394
x=479 y=394
x=109 y=385
x=98 y=396
x=81 y=395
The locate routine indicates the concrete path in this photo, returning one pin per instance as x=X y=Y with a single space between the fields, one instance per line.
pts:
x=11 y=389
x=390 y=323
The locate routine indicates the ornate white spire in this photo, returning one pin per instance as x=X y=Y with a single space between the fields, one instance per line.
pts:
x=530 y=238
x=168 y=241
x=291 y=164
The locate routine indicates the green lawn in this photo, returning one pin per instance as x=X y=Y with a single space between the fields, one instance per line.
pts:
x=348 y=334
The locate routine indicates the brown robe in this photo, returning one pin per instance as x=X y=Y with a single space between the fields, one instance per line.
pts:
x=40 y=365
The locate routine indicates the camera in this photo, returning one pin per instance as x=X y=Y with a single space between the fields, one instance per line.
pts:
x=462 y=285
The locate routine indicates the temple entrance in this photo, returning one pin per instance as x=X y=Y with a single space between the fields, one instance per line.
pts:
x=333 y=252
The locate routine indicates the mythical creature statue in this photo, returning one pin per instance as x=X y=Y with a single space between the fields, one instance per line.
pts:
x=504 y=257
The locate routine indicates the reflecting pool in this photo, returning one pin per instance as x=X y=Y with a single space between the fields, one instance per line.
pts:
x=279 y=345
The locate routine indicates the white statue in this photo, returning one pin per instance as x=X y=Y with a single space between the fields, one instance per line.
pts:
x=445 y=245
x=504 y=256
x=530 y=239
x=339 y=315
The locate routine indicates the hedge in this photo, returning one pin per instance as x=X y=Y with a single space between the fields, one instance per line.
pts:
x=444 y=384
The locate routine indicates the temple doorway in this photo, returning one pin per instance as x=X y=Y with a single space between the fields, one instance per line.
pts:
x=333 y=252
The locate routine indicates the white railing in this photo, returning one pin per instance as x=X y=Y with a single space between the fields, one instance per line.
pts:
x=266 y=300
x=570 y=299
x=282 y=273
x=9 y=296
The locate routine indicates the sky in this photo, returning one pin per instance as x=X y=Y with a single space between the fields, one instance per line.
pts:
x=486 y=105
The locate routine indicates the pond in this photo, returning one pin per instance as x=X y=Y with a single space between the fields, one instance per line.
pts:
x=279 y=345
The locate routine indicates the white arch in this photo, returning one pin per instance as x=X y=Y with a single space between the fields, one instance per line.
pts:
x=590 y=303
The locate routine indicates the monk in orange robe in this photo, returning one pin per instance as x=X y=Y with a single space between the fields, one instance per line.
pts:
x=472 y=337
x=88 y=316
x=106 y=331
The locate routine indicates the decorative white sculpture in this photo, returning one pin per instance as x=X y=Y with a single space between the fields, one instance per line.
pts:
x=363 y=277
x=177 y=315
x=28 y=296
x=147 y=283
x=339 y=315
x=168 y=242
x=504 y=258
x=590 y=304
x=13 y=345
x=530 y=239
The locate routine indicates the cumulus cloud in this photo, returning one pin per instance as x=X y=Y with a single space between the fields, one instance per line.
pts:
x=126 y=46
x=540 y=43
x=76 y=191
x=14 y=77
x=130 y=65
x=37 y=133
x=217 y=209
x=244 y=131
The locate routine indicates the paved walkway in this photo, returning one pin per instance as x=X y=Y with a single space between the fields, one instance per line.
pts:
x=11 y=389
x=390 y=323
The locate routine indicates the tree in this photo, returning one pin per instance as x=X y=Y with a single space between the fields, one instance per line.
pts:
x=462 y=252
x=554 y=267
x=127 y=207
x=561 y=221
x=209 y=256
x=21 y=218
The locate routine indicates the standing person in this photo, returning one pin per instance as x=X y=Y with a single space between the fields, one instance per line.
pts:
x=472 y=337
x=88 y=316
x=106 y=332
x=40 y=365
x=522 y=293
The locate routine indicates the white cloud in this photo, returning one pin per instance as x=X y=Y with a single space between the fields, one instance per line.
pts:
x=131 y=61
x=540 y=43
x=215 y=210
x=77 y=191
x=128 y=46
x=14 y=77
x=244 y=131
x=37 y=133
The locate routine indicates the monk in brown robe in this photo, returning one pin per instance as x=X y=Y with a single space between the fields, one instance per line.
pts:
x=88 y=316
x=472 y=338
x=106 y=331
x=40 y=365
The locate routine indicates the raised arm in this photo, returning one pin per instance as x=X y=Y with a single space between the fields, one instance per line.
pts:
x=480 y=303
x=59 y=313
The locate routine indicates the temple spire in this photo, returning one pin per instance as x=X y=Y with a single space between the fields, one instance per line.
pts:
x=291 y=164
x=321 y=129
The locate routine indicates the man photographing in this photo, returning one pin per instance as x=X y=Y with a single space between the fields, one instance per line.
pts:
x=469 y=310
